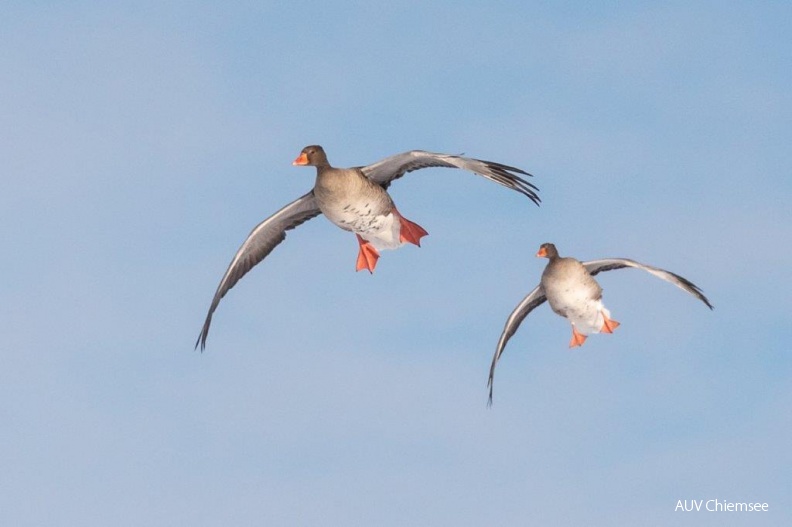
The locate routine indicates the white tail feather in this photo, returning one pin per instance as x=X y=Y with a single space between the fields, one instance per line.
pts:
x=600 y=322
x=387 y=235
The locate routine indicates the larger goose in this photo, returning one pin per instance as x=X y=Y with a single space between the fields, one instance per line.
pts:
x=356 y=200
x=569 y=287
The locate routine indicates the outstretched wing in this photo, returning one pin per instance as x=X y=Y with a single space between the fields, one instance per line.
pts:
x=394 y=167
x=608 y=264
x=259 y=243
x=594 y=267
x=534 y=299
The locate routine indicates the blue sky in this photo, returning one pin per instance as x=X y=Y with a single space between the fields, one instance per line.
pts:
x=141 y=142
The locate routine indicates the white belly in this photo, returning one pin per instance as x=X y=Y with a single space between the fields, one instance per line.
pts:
x=587 y=317
x=381 y=230
x=571 y=300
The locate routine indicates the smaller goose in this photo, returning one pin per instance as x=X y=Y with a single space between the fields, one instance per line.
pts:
x=568 y=285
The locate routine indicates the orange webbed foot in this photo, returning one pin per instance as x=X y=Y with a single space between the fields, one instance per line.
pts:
x=577 y=338
x=409 y=231
x=367 y=256
x=608 y=324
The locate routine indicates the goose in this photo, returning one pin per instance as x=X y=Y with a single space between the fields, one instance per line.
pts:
x=569 y=287
x=355 y=199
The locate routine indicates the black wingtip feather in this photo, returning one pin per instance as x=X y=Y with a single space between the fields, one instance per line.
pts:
x=490 y=386
x=697 y=289
x=503 y=175
x=203 y=335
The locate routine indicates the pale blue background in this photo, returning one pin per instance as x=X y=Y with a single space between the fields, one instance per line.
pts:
x=140 y=142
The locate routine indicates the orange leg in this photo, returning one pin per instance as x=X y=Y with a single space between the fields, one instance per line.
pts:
x=409 y=231
x=608 y=324
x=577 y=338
x=367 y=256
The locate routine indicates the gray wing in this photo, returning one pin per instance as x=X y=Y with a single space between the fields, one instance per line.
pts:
x=534 y=299
x=608 y=264
x=259 y=243
x=394 y=167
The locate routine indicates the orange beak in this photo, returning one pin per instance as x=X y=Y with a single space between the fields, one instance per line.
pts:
x=302 y=159
x=542 y=253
